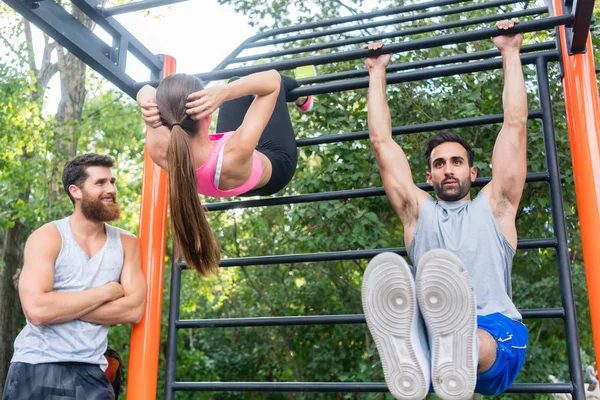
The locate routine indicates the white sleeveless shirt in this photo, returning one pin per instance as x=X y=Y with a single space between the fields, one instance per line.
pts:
x=74 y=271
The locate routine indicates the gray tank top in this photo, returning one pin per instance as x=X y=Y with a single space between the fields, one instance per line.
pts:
x=74 y=271
x=469 y=230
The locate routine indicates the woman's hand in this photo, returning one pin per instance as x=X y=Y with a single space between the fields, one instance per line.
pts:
x=146 y=99
x=203 y=103
x=151 y=115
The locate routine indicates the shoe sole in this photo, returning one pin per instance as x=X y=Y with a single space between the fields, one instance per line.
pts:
x=447 y=302
x=390 y=307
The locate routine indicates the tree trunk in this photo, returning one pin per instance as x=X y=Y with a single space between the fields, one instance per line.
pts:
x=14 y=242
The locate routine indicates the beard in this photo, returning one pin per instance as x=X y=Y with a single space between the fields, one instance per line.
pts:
x=452 y=193
x=94 y=209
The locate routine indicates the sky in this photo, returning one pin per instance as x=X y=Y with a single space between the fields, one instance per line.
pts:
x=198 y=33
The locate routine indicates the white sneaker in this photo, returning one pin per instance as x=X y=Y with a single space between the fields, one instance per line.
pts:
x=447 y=302
x=390 y=306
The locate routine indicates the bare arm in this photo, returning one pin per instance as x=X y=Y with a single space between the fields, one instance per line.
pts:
x=508 y=178
x=41 y=304
x=157 y=138
x=129 y=308
x=264 y=85
x=395 y=171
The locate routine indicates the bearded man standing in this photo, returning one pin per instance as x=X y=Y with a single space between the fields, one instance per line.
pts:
x=80 y=275
x=472 y=339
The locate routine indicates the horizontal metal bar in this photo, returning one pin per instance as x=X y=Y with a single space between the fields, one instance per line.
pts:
x=136 y=6
x=459 y=58
x=271 y=321
x=351 y=18
x=358 y=387
x=480 y=34
x=396 y=34
x=542 y=313
x=322 y=320
x=390 y=21
x=540 y=388
x=412 y=76
x=416 y=128
x=339 y=195
x=349 y=255
x=66 y=30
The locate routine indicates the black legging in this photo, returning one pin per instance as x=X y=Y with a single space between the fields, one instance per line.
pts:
x=277 y=142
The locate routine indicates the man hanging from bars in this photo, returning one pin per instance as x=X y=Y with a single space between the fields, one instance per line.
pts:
x=472 y=339
x=80 y=275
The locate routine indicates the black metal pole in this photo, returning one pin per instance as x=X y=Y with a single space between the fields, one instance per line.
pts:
x=480 y=34
x=396 y=34
x=412 y=76
x=349 y=255
x=455 y=59
x=392 y=21
x=324 y=319
x=338 y=195
x=558 y=223
x=356 y=387
x=351 y=18
x=416 y=128
x=175 y=299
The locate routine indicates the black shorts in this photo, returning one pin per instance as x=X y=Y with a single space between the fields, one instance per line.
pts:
x=278 y=140
x=57 y=381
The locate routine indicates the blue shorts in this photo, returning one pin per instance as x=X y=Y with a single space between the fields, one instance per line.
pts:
x=511 y=337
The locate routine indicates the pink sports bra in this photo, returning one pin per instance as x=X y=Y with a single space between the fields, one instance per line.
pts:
x=212 y=167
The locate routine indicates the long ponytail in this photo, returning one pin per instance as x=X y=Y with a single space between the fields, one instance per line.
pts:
x=191 y=230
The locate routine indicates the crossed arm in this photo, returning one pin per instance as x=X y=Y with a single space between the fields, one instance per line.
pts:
x=129 y=308
x=42 y=305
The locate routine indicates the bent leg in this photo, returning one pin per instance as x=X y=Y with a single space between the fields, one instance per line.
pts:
x=487 y=350
x=511 y=346
x=278 y=143
x=232 y=112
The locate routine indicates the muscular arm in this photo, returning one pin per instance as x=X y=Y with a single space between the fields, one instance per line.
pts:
x=129 y=308
x=508 y=178
x=402 y=193
x=41 y=304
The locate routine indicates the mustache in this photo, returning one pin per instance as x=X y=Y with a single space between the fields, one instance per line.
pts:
x=450 y=180
x=112 y=197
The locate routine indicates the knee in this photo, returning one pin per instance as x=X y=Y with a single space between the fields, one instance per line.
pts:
x=487 y=350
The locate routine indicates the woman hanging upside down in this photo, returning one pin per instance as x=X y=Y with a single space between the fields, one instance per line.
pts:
x=254 y=155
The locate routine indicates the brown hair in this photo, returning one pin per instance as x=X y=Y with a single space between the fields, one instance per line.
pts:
x=191 y=230
x=443 y=137
x=75 y=170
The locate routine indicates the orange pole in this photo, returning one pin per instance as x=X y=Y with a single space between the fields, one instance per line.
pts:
x=145 y=336
x=583 y=118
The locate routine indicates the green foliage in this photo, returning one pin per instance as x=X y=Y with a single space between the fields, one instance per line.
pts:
x=345 y=353
x=322 y=353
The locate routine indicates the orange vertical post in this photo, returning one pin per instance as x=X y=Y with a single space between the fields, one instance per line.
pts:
x=145 y=336
x=583 y=118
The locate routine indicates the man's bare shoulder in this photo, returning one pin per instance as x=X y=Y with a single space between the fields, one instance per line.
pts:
x=128 y=239
x=46 y=241
x=47 y=233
